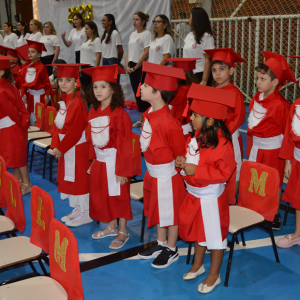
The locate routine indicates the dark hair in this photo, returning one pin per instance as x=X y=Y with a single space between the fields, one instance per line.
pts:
x=113 y=27
x=190 y=78
x=94 y=27
x=165 y=95
x=117 y=99
x=18 y=33
x=168 y=28
x=264 y=69
x=79 y=16
x=143 y=17
x=9 y=24
x=200 y=23
x=219 y=62
x=208 y=137
x=8 y=75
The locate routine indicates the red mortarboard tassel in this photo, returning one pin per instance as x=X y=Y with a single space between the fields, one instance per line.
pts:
x=185 y=112
x=138 y=92
x=116 y=73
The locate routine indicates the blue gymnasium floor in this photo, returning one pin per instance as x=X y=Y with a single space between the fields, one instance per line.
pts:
x=254 y=272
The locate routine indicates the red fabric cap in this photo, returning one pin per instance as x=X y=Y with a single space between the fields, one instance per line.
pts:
x=5 y=62
x=162 y=77
x=294 y=56
x=211 y=102
x=279 y=66
x=67 y=70
x=226 y=55
x=186 y=64
x=23 y=52
x=106 y=73
x=8 y=51
x=40 y=47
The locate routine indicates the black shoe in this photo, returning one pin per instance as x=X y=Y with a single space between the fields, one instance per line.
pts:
x=276 y=225
x=165 y=258
x=152 y=251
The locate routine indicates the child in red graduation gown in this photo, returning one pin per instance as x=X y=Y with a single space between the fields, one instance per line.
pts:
x=14 y=123
x=25 y=61
x=269 y=112
x=208 y=164
x=35 y=85
x=162 y=140
x=290 y=151
x=110 y=143
x=70 y=146
x=15 y=67
x=223 y=67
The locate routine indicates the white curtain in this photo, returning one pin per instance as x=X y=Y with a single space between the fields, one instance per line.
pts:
x=123 y=10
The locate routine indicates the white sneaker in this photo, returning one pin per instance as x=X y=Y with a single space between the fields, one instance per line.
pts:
x=81 y=219
x=72 y=215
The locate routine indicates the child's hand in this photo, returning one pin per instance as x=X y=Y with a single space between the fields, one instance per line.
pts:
x=121 y=179
x=180 y=162
x=287 y=169
x=25 y=99
x=189 y=169
x=57 y=153
x=46 y=99
x=89 y=169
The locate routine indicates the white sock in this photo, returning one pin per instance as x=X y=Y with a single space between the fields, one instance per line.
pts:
x=173 y=249
x=164 y=244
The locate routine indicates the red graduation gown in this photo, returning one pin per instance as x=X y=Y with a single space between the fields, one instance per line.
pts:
x=14 y=139
x=290 y=141
x=104 y=207
x=273 y=124
x=75 y=124
x=215 y=166
x=167 y=142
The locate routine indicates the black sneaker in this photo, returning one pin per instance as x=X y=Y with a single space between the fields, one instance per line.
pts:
x=165 y=258
x=152 y=251
x=276 y=225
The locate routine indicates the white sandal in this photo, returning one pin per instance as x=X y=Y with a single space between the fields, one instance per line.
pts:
x=101 y=235
x=120 y=242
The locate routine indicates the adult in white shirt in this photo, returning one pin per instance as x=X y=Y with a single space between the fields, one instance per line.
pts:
x=138 y=51
x=162 y=46
x=52 y=44
x=182 y=29
x=112 y=49
x=1 y=39
x=77 y=35
x=36 y=29
x=22 y=33
x=199 y=39
x=10 y=40
x=90 y=52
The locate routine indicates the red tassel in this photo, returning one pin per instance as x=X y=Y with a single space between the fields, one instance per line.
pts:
x=138 y=93
x=78 y=83
x=185 y=112
x=116 y=73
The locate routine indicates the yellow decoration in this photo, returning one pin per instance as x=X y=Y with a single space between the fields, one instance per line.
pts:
x=39 y=112
x=13 y=202
x=54 y=99
x=85 y=11
x=38 y=218
x=258 y=183
x=133 y=143
x=51 y=118
x=60 y=251
x=89 y=10
x=73 y=11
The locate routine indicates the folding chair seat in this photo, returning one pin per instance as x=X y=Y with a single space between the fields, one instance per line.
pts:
x=33 y=129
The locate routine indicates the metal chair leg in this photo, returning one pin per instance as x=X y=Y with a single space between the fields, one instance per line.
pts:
x=189 y=253
x=31 y=161
x=273 y=242
x=286 y=213
x=50 y=165
x=229 y=260
x=32 y=267
x=143 y=228
x=43 y=267
x=44 y=165
x=243 y=238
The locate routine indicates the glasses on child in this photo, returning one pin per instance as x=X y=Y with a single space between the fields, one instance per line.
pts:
x=157 y=22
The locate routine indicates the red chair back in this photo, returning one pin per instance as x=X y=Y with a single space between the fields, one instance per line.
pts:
x=258 y=189
x=42 y=212
x=2 y=182
x=15 y=210
x=40 y=115
x=50 y=117
x=64 y=259
x=136 y=147
x=54 y=98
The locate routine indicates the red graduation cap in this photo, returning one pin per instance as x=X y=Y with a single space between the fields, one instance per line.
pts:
x=279 y=66
x=23 y=52
x=67 y=70
x=8 y=51
x=107 y=73
x=294 y=56
x=226 y=55
x=186 y=64
x=211 y=102
x=5 y=62
x=40 y=47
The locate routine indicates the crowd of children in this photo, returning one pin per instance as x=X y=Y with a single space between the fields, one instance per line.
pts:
x=190 y=141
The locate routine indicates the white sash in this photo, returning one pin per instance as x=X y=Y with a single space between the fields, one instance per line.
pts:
x=192 y=157
x=210 y=212
x=6 y=122
x=187 y=128
x=296 y=121
x=297 y=154
x=69 y=158
x=146 y=134
x=237 y=153
x=61 y=115
x=30 y=75
x=108 y=156
x=100 y=131
x=164 y=173
x=36 y=96
x=258 y=112
x=270 y=143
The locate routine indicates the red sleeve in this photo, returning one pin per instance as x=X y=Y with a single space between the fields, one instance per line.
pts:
x=21 y=78
x=55 y=138
x=176 y=141
x=124 y=160
x=46 y=81
x=92 y=154
x=239 y=114
x=249 y=137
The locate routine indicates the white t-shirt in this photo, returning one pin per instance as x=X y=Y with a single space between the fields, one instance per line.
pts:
x=193 y=50
x=110 y=50
x=159 y=47
x=22 y=39
x=88 y=51
x=1 y=39
x=137 y=43
x=50 y=41
x=183 y=29
x=35 y=37
x=10 y=41
x=77 y=38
